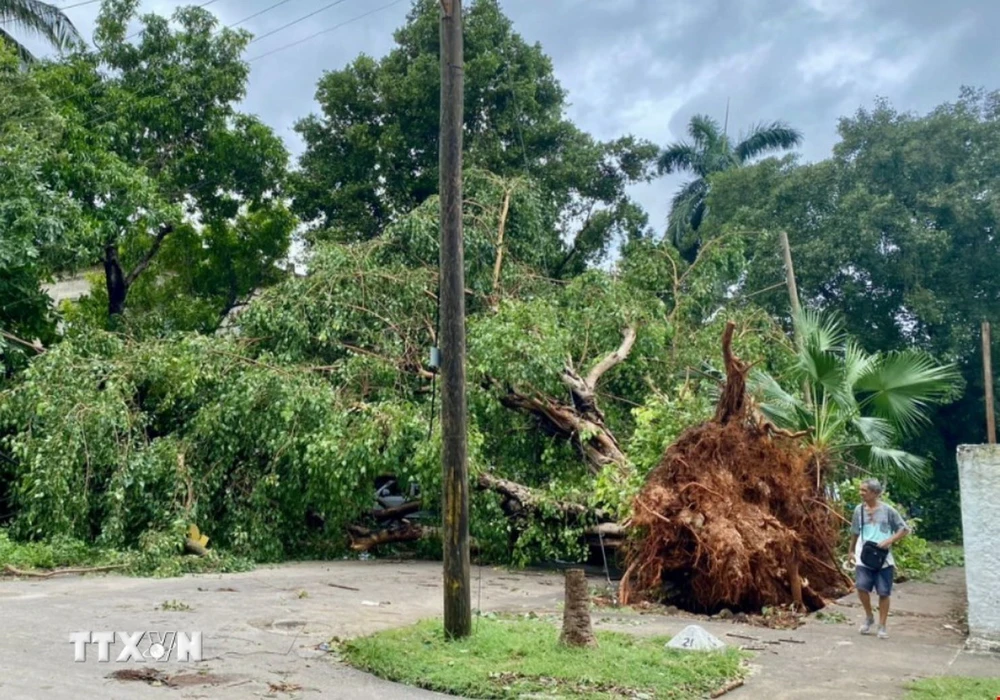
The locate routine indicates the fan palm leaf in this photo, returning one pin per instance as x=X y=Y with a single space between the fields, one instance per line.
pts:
x=901 y=386
x=863 y=404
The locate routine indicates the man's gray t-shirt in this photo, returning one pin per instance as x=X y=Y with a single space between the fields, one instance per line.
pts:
x=879 y=525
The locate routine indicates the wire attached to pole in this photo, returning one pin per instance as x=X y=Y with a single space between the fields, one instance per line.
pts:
x=435 y=361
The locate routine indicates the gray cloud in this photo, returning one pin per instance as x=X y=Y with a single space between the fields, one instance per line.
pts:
x=645 y=66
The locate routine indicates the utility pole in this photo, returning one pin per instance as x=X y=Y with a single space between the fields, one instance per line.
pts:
x=454 y=461
x=793 y=290
x=991 y=421
x=793 y=296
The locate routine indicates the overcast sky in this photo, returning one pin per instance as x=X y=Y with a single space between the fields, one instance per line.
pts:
x=645 y=66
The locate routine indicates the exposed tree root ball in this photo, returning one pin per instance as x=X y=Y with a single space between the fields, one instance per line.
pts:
x=731 y=518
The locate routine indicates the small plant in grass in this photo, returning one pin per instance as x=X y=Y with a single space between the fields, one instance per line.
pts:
x=175 y=606
x=512 y=657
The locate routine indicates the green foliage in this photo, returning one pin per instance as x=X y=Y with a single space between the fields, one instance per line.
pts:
x=372 y=153
x=148 y=437
x=158 y=555
x=41 y=228
x=952 y=688
x=860 y=405
x=41 y=19
x=662 y=419
x=183 y=192
x=58 y=552
x=709 y=152
x=514 y=657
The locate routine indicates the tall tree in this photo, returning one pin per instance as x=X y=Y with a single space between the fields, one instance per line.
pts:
x=166 y=108
x=711 y=151
x=371 y=153
x=41 y=227
x=37 y=18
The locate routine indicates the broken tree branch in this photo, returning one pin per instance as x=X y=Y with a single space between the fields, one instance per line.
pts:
x=396 y=512
x=498 y=266
x=519 y=499
x=37 y=347
x=8 y=569
x=362 y=540
x=613 y=359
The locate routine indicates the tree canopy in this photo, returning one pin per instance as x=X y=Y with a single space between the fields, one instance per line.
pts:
x=203 y=381
x=372 y=152
x=152 y=127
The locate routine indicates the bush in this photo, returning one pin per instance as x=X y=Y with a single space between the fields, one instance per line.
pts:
x=142 y=439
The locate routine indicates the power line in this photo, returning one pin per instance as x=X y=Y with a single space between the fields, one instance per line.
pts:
x=276 y=50
x=324 y=31
x=79 y=4
x=357 y=18
x=258 y=14
x=296 y=21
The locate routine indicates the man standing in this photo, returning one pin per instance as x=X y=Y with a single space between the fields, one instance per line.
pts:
x=876 y=522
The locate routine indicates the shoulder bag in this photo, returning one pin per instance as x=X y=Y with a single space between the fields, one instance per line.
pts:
x=872 y=556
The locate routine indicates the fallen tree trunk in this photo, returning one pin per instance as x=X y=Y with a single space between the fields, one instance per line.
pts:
x=518 y=500
x=580 y=421
x=363 y=539
x=396 y=512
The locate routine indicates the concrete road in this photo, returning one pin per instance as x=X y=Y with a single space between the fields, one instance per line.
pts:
x=261 y=629
x=832 y=661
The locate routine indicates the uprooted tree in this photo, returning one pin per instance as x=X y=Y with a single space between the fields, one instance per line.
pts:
x=731 y=516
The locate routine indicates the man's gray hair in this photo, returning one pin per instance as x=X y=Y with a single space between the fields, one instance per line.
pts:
x=873 y=485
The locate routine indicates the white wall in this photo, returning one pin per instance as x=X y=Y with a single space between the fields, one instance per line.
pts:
x=68 y=288
x=979 y=477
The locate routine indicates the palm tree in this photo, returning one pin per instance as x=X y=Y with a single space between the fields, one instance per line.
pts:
x=710 y=151
x=862 y=404
x=39 y=18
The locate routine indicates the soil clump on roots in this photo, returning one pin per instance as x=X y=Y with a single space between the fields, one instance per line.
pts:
x=732 y=516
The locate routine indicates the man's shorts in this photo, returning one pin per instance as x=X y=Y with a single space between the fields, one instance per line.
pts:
x=880 y=581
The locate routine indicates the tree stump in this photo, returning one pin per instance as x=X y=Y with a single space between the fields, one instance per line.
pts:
x=577 y=630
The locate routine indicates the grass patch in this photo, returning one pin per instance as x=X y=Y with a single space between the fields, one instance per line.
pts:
x=511 y=657
x=59 y=553
x=954 y=688
x=161 y=561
